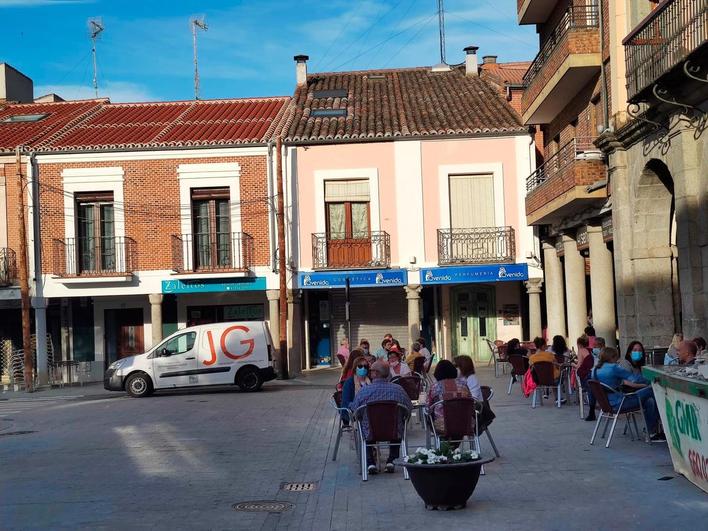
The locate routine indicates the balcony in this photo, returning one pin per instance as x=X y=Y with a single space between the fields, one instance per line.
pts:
x=656 y=50
x=8 y=267
x=562 y=185
x=534 y=11
x=335 y=251
x=568 y=60
x=212 y=253
x=94 y=257
x=479 y=245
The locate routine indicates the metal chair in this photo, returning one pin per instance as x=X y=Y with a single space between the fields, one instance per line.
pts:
x=545 y=378
x=519 y=366
x=581 y=394
x=600 y=392
x=498 y=350
x=487 y=394
x=336 y=401
x=413 y=385
x=383 y=418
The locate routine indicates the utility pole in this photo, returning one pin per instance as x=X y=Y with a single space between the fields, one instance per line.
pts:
x=283 y=300
x=24 y=276
x=196 y=23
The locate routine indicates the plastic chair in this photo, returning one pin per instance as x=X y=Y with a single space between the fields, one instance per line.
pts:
x=487 y=394
x=383 y=417
x=519 y=366
x=545 y=378
x=600 y=392
x=336 y=401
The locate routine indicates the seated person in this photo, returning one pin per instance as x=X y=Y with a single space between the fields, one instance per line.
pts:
x=634 y=360
x=611 y=374
x=514 y=348
x=382 y=351
x=425 y=352
x=701 y=344
x=380 y=389
x=415 y=353
x=560 y=349
x=447 y=385
x=354 y=384
x=397 y=368
x=465 y=366
x=583 y=349
x=543 y=354
x=687 y=351
x=671 y=357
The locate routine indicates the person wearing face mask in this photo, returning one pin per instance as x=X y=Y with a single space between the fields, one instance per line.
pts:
x=358 y=379
x=634 y=360
x=600 y=345
x=397 y=368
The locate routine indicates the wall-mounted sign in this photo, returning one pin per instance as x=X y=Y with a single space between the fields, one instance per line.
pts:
x=479 y=273
x=510 y=314
x=213 y=285
x=357 y=279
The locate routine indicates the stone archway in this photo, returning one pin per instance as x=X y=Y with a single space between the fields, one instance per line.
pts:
x=654 y=256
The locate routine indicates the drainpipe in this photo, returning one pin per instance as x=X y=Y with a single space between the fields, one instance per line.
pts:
x=603 y=75
x=271 y=205
x=38 y=301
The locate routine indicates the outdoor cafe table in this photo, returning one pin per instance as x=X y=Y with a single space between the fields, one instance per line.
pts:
x=683 y=406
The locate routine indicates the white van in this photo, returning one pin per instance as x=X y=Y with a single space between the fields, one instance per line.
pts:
x=238 y=353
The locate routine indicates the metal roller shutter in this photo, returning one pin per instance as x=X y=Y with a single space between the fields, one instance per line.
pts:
x=374 y=313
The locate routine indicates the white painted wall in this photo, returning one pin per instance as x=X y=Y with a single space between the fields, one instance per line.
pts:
x=409 y=201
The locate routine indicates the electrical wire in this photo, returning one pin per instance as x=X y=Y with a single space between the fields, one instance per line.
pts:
x=422 y=24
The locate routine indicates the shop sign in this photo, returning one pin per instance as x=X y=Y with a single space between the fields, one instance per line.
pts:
x=213 y=285
x=357 y=279
x=685 y=422
x=480 y=273
x=244 y=312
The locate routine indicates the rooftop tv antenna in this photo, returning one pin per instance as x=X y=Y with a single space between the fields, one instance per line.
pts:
x=196 y=23
x=441 y=24
x=95 y=28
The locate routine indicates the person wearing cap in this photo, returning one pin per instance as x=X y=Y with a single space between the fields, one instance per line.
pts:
x=381 y=389
x=415 y=353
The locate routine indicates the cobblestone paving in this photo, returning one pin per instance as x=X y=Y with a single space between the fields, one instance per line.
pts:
x=181 y=460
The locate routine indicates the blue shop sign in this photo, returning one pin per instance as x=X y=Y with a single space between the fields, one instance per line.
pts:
x=480 y=273
x=213 y=285
x=357 y=279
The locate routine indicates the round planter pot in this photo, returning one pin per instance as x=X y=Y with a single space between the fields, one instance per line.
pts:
x=445 y=487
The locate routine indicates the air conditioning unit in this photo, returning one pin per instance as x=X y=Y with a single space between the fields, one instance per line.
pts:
x=590 y=154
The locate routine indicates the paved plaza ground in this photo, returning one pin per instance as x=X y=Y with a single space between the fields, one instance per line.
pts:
x=180 y=460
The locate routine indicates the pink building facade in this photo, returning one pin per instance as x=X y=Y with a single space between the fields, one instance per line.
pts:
x=409 y=222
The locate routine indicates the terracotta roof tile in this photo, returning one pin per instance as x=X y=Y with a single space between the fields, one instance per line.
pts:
x=503 y=73
x=60 y=116
x=383 y=104
x=175 y=124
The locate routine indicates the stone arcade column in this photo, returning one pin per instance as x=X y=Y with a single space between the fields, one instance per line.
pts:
x=533 y=288
x=156 y=317
x=40 y=321
x=602 y=287
x=273 y=296
x=575 y=289
x=555 y=299
x=413 y=296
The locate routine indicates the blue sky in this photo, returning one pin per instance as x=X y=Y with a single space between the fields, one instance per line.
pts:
x=145 y=52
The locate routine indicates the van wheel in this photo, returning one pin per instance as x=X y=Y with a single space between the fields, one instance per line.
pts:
x=139 y=385
x=249 y=379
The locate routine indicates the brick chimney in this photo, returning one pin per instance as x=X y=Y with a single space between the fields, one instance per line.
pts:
x=301 y=69
x=489 y=59
x=471 y=61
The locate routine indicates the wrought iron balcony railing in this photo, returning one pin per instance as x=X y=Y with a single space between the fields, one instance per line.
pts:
x=576 y=17
x=480 y=245
x=212 y=252
x=358 y=251
x=665 y=38
x=576 y=149
x=8 y=266
x=94 y=256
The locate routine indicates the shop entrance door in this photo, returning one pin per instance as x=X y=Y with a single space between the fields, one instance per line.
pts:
x=475 y=321
x=124 y=333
